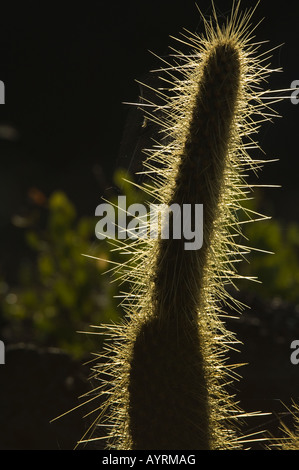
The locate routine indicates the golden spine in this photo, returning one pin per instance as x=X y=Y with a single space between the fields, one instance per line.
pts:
x=168 y=361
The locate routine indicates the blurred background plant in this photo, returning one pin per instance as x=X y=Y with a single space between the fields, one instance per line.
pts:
x=60 y=291
x=278 y=270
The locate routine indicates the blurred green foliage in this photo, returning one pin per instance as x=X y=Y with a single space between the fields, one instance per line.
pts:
x=61 y=291
x=278 y=272
x=274 y=259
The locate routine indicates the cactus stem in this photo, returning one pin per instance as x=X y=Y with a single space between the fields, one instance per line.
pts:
x=169 y=359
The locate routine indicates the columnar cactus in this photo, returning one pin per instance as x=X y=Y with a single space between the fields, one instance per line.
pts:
x=169 y=403
x=169 y=360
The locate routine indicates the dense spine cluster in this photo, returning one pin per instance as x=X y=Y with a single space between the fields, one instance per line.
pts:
x=169 y=392
x=167 y=362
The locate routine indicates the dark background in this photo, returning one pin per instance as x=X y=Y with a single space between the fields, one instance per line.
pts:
x=68 y=68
